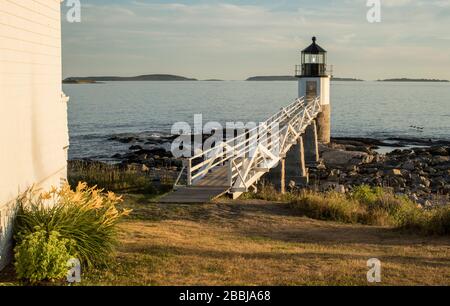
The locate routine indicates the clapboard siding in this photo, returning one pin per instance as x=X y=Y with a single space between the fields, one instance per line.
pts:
x=33 y=117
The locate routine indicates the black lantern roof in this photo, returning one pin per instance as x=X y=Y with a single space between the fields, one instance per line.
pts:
x=314 y=48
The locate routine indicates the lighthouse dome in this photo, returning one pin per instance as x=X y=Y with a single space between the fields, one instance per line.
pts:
x=314 y=48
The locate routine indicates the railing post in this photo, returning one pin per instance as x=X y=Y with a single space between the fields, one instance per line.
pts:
x=283 y=175
x=188 y=165
x=230 y=172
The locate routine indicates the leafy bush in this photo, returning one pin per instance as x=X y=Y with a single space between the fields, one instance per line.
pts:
x=85 y=216
x=367 y=194
x=42 y=256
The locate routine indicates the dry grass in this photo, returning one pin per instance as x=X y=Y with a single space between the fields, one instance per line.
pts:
x=261 y=243
x=255 y=242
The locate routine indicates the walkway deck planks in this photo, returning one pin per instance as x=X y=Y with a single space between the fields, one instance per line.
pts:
x=236 y=165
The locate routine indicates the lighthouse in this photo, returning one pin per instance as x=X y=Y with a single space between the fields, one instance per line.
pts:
x=314 y=81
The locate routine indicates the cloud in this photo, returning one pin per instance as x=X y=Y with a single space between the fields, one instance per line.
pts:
x=395 y=3
x=229 y=40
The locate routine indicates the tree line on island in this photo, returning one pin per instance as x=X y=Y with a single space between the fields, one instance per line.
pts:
x=169 y=77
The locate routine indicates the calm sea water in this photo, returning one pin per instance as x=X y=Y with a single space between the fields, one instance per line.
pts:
x=366 y=109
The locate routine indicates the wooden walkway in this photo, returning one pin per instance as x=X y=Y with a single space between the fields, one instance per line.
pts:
x=234 y=166
x=211 y=186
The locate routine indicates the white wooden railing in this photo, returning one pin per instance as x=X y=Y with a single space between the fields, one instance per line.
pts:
x=253 y=153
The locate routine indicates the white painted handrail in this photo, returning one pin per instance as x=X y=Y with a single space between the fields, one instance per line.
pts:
x=253 y=153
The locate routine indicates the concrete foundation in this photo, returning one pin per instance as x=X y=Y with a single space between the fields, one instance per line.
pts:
x=295 y=163
x=324 y=125
x=283 y=176
x=311 y=144
x=292 y=168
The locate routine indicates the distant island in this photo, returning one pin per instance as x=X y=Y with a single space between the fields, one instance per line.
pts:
x=273 y=78
x=149 y=77
x=412 y=80
x=347 y=79
x=292 y=78
x=79 y=81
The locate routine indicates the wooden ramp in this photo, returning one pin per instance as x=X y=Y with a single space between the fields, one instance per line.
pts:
x=211 y=186
x=235 y=165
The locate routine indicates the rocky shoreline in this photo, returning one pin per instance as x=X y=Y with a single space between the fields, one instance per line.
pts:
x=421 y=173
x=417 y=168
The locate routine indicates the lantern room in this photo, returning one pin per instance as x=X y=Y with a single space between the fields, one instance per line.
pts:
x=314 y=61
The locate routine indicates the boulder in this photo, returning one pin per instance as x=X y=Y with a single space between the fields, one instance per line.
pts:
x=340 y=189
x=346 y=158
x=425 y=182
x=437 y=160
x=394 y=172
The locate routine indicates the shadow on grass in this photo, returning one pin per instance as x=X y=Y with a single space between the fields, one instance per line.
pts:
x=273 y=255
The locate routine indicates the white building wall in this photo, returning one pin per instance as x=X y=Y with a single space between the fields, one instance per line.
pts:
x=33 y=111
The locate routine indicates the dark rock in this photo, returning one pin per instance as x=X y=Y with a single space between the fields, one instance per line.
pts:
x=123 y=139
x=394 y=172
x=441 y=151
x=446 y=189
x=409 y=165
x=135 y=148
x=438 y=160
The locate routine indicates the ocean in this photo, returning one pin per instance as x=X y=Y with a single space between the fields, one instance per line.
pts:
x=382 y=110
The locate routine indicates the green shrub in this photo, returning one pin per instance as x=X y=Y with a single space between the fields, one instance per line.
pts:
x=43 y=256
x=367 y=194
x=385 y=208
x=85 y=216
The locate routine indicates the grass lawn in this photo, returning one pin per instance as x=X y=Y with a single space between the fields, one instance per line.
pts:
x=260 y=243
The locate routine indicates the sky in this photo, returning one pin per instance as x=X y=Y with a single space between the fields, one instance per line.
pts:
x=233 y=40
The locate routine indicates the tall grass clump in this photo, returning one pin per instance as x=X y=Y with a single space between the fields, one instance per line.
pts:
x=268 y=192
x=112 y=178
x=429 y=222
x=373 y=206
x=327 y=206
x=85 y=216
x=383 y=207
x=439 y=223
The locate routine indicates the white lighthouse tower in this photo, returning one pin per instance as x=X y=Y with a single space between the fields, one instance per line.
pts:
x=314 y=81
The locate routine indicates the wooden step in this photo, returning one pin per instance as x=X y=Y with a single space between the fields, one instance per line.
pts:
x=194 y=195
